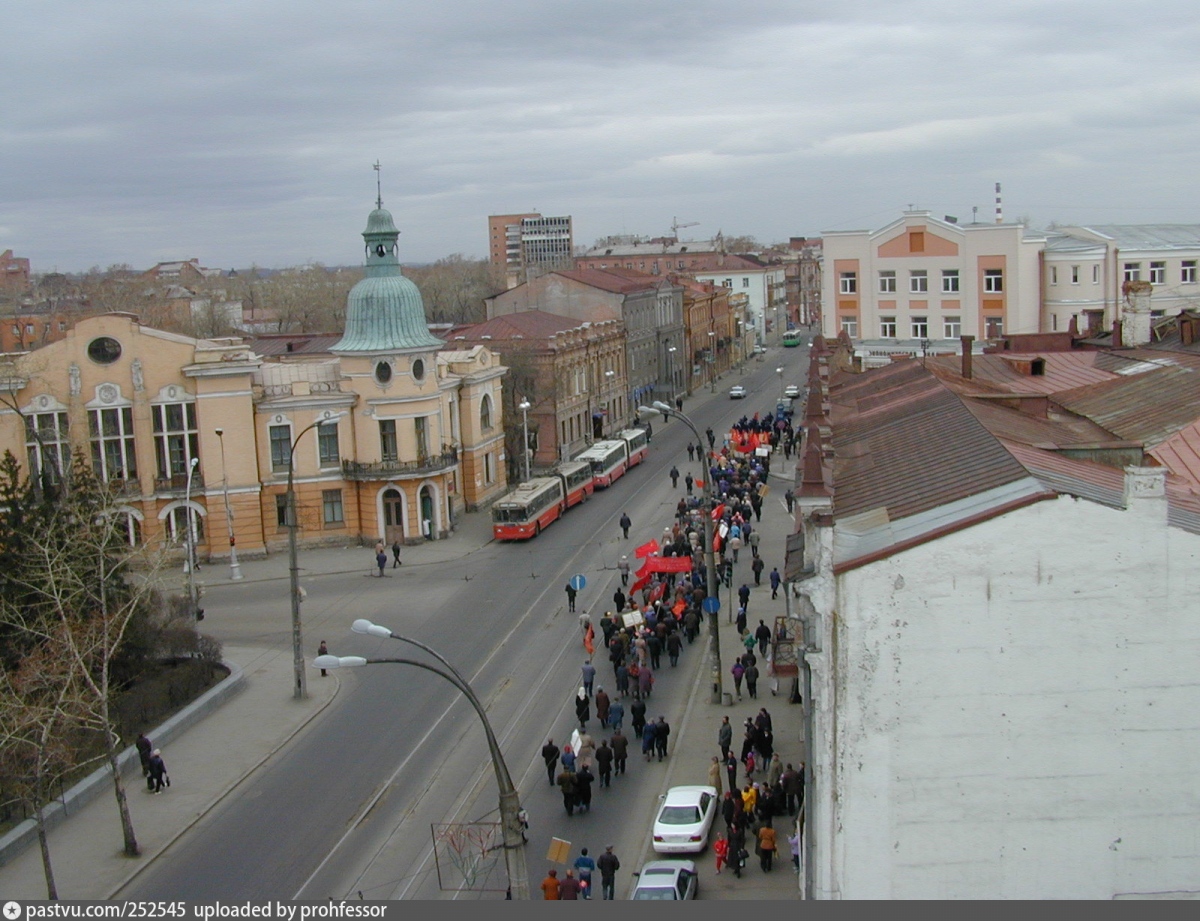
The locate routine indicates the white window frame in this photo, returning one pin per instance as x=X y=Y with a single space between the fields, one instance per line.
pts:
x=950 y=284
x=1054 y=275
x=850 y=326
x=54 y=442
x=123 y=440
x=1187 y=272
x=918 y=282
x=1131 y=271
x=848 y=283
x=332 y=502
x=1074 y=274
x=168 y=440
x=919 y=327
x=988 y=322
x=887 y=282
x=887 y=327
x=1095 y=275
x=951 y=327
x=993 y=281
x=1158 y=273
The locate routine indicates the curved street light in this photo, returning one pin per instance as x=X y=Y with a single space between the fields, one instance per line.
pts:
x=235 y=568
x=510 y=802
x=710 y=565
x=300 y=691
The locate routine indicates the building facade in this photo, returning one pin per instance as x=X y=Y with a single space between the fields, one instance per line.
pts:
x=571 y=373
x=525 y=245
x=996 y=643
x=649 y=308
x=920 y=278
x=390 y=438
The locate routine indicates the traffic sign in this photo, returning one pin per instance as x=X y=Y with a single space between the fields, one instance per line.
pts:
x=710 y=605
x=578 y=582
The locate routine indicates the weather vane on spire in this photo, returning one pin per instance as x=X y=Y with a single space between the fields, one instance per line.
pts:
x=378 y=187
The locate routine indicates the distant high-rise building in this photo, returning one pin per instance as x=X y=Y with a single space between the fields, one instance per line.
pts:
x=527 y=245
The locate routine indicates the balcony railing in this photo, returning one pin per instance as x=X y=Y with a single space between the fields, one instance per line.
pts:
x=178 y=484
x=391 y=469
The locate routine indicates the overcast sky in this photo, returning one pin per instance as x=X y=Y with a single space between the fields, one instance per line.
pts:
x=245 y=132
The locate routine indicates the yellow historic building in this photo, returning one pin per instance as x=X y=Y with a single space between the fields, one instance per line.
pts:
x=390 y=439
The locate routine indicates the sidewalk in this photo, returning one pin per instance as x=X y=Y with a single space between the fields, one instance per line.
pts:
x=228 y=745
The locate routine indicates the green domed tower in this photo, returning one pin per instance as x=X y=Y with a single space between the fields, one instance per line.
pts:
x=384 y=311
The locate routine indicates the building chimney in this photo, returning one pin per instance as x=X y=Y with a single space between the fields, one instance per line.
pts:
x=967 y=342
x=1116 y=335
x=999 y=207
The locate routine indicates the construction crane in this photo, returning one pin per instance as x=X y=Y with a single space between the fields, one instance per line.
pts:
x=675 y=225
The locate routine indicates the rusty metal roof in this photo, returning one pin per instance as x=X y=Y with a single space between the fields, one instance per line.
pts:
x=1010 y=370
x=1057 y=429
x=1149 y=407
x=904 y=442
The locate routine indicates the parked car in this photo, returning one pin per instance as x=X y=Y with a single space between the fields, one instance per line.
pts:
x=737 y=392
x=666 y=880
x=791 y=391
x=684 y=820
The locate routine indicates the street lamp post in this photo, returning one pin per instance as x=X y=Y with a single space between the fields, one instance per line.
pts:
x=710 y=565
x=712 y=361
x=608 y=399
x=510 y=801
x=779 y=371
x=189 y=541
x=235 y=569
x=300 y=691
x=671 y=370
x=524 y=407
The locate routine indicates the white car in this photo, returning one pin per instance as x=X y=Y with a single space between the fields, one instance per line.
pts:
x=684 y=820
x=791 y=391
x=666 y=880
x=737 y=392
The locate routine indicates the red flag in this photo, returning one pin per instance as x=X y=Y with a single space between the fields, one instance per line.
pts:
x=589 y=640
x=718 y=511
x=651 y=546
x=658 y=591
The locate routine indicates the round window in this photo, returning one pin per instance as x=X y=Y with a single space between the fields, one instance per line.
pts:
x=418 y=369
x=383 y=372
x=104 y=350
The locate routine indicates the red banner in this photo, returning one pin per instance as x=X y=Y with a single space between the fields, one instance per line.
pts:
x=667 y=564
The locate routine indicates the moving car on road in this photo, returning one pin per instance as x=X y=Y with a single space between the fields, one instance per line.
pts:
x=666 y=880
x=684 y=820
x=737 y=392
x=791 y=391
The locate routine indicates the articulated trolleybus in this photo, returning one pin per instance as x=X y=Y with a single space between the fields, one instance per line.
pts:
x=527 y=509
x=608 y=460
x=577 y=482
x=636 y=445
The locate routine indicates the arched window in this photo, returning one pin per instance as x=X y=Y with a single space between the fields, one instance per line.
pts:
x=485 y=412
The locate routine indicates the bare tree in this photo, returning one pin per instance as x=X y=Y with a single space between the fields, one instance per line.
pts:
x=454 y=288
x=42 y=707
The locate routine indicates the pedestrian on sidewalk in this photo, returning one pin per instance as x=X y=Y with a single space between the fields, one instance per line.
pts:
x=571 y=593
x=738 y=673
x=721 y=850
x=731 y=771
x=550 y=755
x=603 y=707
x=757 y=566
x=637 y=713
x=754 y=538
x=158 y=772
x=626 y=524
x=674 y=474
x=790 y=498
x=691 y=451
x=762 y=633
x=744 y=596
x=725 y=736
x=751 y=675
x=776 y=579
x=766 y=845
x=792 y=782
x=583 y=786
x=395 y=554
x=550 y=886
x=608 y=865
x=144 y=749
x=649 y=734
x=568 y=889
x=323 y=650
x=737 y=848
x=689 y=481
x=714 y=774
x=381 y=562
x=794 y=844
x=623 y=569
x=566 y=783
x=679 y=404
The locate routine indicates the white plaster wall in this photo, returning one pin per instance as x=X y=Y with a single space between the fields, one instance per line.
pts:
x=1016 y=712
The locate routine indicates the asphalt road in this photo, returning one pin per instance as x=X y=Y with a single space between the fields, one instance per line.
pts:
x=348 y=806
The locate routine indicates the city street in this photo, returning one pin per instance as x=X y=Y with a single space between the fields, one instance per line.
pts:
x=345 y=809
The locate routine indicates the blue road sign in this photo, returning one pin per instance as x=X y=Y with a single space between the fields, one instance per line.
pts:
x=710 y=605
x=578 y=582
